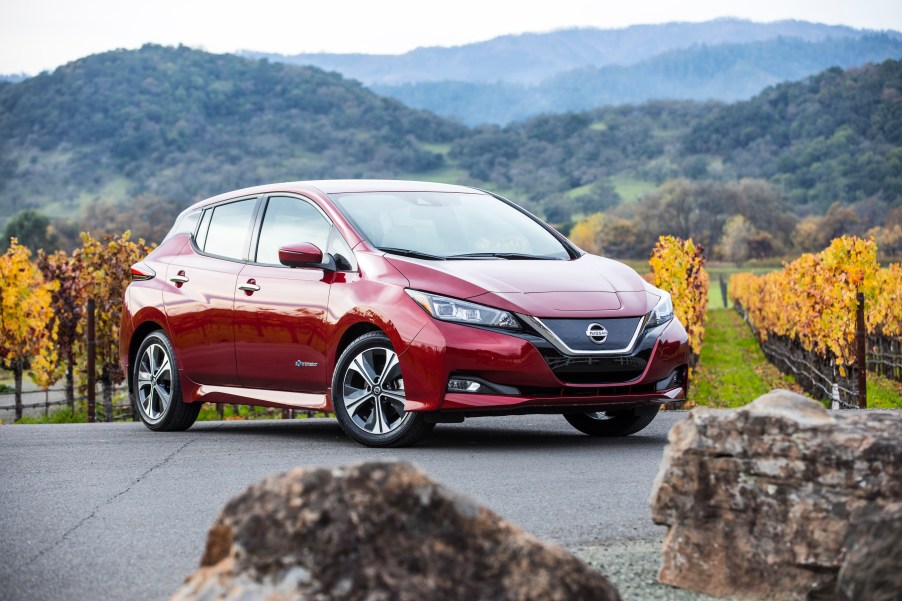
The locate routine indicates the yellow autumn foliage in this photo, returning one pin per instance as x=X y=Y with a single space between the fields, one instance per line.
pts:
x=813 y=299
x=678 y=267
x=25 y=312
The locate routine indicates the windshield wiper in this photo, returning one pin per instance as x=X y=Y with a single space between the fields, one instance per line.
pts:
x=406 y=252
x=510 y=256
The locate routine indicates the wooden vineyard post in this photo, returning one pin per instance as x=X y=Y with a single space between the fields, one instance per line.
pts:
x=861 y=352
x=92 y=375
x=723 y=292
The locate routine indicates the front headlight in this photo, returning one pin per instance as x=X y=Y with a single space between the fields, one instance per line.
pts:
x=451 y=309
x=663 y=311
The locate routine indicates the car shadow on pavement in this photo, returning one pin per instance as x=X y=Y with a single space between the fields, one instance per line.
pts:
x=472 y=434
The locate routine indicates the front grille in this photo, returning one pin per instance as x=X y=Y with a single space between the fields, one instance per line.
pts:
x=597 y=370
x=572 y=332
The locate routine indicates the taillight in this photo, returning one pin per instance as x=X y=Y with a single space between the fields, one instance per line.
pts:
x=141 y=272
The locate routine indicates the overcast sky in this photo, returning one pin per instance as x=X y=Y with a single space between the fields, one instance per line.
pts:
x=43 y=34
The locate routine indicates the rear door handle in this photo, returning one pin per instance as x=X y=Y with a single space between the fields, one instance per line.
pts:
x=249 y=287
x=179 y=279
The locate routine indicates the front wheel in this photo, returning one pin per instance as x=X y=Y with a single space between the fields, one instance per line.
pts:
x=621 y=422
x=156 y=389
x=368 y=395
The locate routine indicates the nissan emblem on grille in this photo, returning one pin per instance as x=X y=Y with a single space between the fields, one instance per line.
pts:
x=597 y=333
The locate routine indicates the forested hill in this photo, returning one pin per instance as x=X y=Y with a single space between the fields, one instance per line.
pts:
x=184 y=124
x=167 y=126
x=835 y=137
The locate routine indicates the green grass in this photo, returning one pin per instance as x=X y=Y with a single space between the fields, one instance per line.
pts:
x=62 y=415
x=599 y=126
x=715 y=298
x=442 y=149
x=208 y=413
x=115 y=189
x=883 y=393
x=732 y=370
x=447 y=174
x=579 y=191
x=631 y=189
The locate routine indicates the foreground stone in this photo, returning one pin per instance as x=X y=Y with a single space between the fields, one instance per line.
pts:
x=378 y=531
x=769 y=500
x=873 y=566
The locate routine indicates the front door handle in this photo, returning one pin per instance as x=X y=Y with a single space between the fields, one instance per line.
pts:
x=251 y=286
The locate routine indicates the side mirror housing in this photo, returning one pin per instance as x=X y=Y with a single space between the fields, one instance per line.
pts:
x=305 y=255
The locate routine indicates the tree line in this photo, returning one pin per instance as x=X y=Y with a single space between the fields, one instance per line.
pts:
x=737 y=221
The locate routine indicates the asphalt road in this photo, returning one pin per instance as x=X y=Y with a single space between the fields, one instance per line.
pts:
x=114 y=511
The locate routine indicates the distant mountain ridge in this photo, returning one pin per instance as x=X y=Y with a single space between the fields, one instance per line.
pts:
x=724 y=72
x=531 y=58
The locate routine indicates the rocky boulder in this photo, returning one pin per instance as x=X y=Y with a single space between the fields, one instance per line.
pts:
x=377 y=531
x=872 y=569
x=764 y=501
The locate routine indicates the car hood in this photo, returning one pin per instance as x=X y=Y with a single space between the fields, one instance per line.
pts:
x=589 y=286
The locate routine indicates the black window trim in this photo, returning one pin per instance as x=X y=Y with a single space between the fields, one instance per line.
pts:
x=257 y=198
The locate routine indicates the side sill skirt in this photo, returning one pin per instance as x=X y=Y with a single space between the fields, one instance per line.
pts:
x=274 y=397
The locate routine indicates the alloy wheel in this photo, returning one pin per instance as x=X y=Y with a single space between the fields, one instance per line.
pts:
x=154 y=382
x=373 y=391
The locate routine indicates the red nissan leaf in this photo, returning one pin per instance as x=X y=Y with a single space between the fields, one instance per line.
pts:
x=395 y=305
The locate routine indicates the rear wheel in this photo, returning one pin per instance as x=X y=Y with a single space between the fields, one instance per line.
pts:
x=621 y=422
x=157 y=393
x=368 y=395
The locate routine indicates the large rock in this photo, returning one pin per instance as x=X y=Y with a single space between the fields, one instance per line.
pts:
x=872 y=569
x=761 y=502
x=377 y=532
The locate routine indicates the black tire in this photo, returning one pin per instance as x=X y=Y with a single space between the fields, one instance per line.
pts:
x=621 y=422
x=383 y=426
x=148 y=395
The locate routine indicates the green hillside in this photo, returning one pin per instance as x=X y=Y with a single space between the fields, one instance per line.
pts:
x=836 y=137
x=184 y=124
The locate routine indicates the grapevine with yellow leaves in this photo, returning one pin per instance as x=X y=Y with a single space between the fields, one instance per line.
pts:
x=678 y=267
x=813 y=299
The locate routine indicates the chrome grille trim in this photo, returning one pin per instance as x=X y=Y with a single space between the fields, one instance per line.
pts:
x=546 y=333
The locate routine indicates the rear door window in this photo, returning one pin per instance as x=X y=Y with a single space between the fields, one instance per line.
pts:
x=230 y=226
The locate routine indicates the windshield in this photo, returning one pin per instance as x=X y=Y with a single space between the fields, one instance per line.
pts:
x=448 y=225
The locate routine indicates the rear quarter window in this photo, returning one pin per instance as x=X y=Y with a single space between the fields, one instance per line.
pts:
x=186 y=223
x=230 y=226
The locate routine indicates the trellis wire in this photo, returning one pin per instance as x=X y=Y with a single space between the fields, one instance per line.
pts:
x=817 y=375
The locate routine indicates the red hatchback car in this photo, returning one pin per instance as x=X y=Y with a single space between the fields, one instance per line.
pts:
x=396 y=305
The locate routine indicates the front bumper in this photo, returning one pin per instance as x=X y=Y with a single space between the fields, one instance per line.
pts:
x=523 y=361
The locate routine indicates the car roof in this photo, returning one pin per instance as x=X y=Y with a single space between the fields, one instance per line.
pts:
x=338 y=186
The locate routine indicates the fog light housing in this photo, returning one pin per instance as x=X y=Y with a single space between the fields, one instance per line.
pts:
x=464 y=385
x=676 y=378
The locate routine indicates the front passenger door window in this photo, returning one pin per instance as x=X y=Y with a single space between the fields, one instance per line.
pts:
x=290 y=220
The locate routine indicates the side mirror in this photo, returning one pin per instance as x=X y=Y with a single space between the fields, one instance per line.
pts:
x=305 y=255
